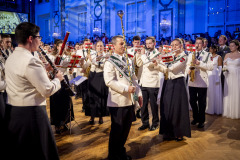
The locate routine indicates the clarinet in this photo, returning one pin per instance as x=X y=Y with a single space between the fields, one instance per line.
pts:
x=55 y=70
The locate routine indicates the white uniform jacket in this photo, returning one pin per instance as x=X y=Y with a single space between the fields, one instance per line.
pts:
x=2 y=77
x=118 y=95
x=97 y=65
x=27 y=80
x=177 y=68
x=201 y=76
x=150 y=74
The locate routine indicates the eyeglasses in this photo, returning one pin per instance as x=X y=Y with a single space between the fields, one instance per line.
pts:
x=39 y=37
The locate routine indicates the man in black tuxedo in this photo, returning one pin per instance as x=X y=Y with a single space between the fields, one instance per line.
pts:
x=205 y=45
x=223 y=50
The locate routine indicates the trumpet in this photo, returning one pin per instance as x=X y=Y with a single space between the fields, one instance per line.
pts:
x=192 y=68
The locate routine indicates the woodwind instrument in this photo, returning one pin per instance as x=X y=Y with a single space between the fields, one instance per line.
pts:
x=191 y=48
x=120 y=14
x=59 y=57
x=55 y=70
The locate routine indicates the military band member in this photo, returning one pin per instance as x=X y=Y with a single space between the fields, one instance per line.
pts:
x=175 y=122
x=84 y=66
x=198 y=88
x=150 y=83
x=29 y=134
x=2 y=90
x=138 y=69
x=61 y=101
x=6 y=44
x=98 y=91
x=120 y=100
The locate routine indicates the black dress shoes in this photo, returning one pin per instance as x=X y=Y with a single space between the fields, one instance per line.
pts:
x=194 y=122
x=153 y=128
x=143 y=127
x=91 y=122
x=129 y=157
x=100 y=121
x=200 y=125
x=179 y=139
x=138 y=114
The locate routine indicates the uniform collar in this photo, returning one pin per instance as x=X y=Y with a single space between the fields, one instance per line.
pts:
x=21 y=49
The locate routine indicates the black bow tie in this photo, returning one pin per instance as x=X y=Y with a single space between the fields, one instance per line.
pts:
x=124 y=59
x=198 y=54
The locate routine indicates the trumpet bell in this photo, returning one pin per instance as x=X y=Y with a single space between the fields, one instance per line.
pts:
x=120 y=13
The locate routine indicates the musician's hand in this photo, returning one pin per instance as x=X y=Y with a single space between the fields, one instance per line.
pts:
x=59 y=75
x=89 y=57
x=70 y=71
x=155 y=62
x=138 y=51
x=131 y=89
x=197 y=62
x=48 y=67
x=140 y=101
x=143 y=51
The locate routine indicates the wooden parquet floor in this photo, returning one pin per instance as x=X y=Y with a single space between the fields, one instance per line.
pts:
x=219 y=139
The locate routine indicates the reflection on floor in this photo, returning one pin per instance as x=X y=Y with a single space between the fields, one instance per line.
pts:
x=219 y=139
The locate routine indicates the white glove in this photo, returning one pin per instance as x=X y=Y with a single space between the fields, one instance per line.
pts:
x=219 y=70
x=225 y=71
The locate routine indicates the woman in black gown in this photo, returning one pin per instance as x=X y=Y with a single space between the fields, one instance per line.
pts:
x=175 y=121
x=97 y=88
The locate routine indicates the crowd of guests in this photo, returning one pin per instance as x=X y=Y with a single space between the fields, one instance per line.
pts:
x=109 y=89
x=162 y=40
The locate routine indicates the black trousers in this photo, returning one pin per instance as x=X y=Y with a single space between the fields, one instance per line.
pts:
x=29 y=134
x=2 y=108
x=149 y=93
x=121 y=118
x=198 y=98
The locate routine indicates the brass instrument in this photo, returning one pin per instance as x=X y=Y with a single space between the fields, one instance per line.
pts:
x=120 y=13
x=192 y=65
x=87 y=71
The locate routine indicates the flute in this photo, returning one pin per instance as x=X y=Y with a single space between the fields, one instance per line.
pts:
x=55 y=70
